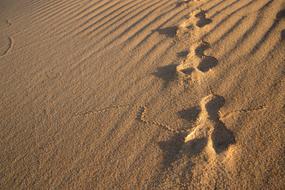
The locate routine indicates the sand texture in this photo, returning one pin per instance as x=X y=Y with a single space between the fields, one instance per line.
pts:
x=142 y=94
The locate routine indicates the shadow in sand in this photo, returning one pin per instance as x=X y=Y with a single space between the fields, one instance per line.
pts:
x=195 y=146
x=171 y=149
x=183 y=54
x=174 y=148
x=222 y=137
x=187 y=71
x=207 y=63
x=177 y=155
x=166 y=73
x=182 y=2
x=190 y=114
x=203 y=21
x=168 y=31
x=280 y=15
x=199 y=51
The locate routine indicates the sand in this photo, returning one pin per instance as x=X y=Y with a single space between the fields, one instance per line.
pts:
x=142 y=94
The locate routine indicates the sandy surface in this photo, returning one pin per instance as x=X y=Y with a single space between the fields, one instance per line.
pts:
x=142 y=94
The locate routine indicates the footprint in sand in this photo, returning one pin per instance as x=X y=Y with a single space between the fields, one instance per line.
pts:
x=210 y=132
x=197 y=19
x=197 y=61
x=5 y=45
x=202 y=19
x=206 y=62
x=210 y=126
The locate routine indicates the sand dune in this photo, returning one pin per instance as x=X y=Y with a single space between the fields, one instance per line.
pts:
x=142 y=94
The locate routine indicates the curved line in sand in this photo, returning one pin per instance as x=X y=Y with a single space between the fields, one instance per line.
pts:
x=9 y=48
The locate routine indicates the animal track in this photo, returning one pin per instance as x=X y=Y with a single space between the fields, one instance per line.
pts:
x=209 y=124
x=197 y=62
x=102 y=110
x=141 y=117
x=184 y=71
x=221 y=136
x=202 y=19
x=200 y=50
x=207 y=63
x=197 y=19
x=248 y=110
x=208 y=128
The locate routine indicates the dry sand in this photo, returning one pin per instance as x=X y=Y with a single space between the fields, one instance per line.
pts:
x=142 y=94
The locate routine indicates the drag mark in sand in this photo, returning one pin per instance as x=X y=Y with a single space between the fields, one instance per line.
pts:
x=102 y=110
x=141 y=116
